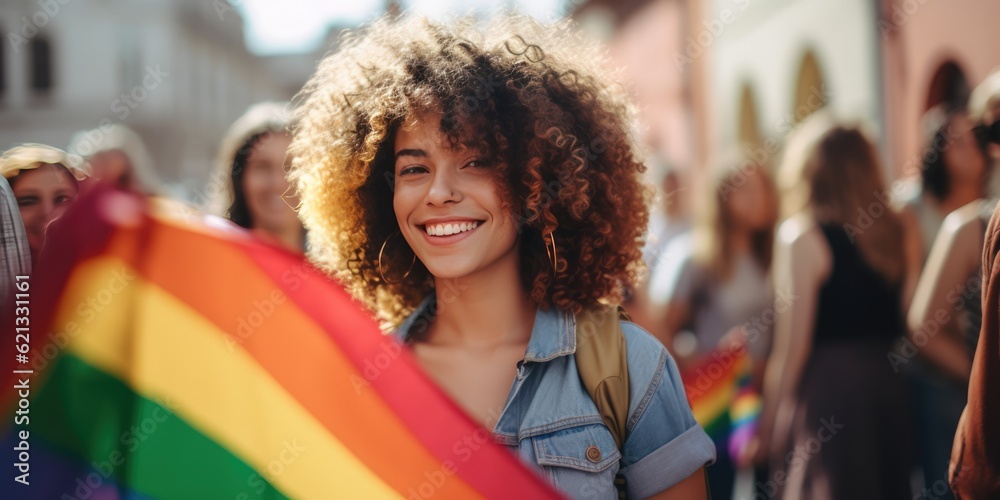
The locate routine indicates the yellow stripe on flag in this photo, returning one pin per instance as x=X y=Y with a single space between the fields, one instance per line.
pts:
x=713 y=404
x=182 y=360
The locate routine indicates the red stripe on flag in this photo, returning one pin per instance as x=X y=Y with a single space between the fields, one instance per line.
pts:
x=490 y=469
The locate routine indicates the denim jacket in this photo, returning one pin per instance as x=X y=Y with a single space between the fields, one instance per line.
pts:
x=551 y=422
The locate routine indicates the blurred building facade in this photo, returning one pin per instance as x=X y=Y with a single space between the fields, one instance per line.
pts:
x=178 y=72
x=780 y=60
x=935 y=52
x=713 y=75
x=643 y=38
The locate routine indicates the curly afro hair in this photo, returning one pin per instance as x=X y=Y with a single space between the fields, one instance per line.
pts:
x=534 y=97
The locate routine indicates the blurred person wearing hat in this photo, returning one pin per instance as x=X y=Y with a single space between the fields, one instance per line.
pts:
x=45 y=180
x=117 y=155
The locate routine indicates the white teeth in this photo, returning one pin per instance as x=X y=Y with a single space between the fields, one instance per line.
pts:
x=450 y=228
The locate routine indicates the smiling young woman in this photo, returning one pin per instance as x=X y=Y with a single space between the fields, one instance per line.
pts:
x=476 y=186
x=45 y=181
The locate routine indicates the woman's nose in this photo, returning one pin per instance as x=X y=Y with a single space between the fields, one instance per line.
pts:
x=443 y=188
x=47 y=210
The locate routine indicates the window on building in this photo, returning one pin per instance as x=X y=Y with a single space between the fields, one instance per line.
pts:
x=811 y=93
x=41 y=64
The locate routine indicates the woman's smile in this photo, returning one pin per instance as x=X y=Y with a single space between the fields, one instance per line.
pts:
x=449 y=228
x=441 y=232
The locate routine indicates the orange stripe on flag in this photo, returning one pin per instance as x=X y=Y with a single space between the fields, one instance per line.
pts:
x=257 y=317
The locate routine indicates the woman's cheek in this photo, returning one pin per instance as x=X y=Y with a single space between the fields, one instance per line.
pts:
x=29 y=216
x=252 y=188
x=58 y=211
x=403 y=203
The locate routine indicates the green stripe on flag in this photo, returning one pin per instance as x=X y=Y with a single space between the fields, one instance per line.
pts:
x=102 y=421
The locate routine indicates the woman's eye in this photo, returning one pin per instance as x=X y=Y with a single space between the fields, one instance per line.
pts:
x=412 y=170
x=478 y=163
x=63 y=199
x=261 y=167
x=27 y=201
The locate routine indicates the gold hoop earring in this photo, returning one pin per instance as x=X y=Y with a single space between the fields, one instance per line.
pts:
x=381 y=251
x=553 y=256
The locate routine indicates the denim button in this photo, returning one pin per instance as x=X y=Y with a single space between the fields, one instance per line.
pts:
x=594 y=454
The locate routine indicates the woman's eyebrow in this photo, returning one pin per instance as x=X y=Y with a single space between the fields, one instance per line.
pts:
x=419 y=153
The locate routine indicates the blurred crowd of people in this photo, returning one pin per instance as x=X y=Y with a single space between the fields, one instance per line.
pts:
x=859 y=306
x=249 y=186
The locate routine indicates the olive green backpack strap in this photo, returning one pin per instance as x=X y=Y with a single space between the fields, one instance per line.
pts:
x=602 y=363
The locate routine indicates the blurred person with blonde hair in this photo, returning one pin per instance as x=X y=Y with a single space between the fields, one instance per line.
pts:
x=118 y=156
x=715 y=281
x=834 y=422
x=45 y=180
x=252 y=165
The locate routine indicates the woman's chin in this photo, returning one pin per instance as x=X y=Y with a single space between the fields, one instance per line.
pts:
x=443 y=270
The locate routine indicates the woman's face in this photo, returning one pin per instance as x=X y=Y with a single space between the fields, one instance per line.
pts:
x=264 y=183
x=42 y=196
x=448 y=204
x=750 y=206
x=963 y=157
x=113 y=167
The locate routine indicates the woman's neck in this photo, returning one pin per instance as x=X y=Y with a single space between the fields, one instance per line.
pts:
x=739 y=242
x=959 y=196
x=485 y=309
x=291 y=236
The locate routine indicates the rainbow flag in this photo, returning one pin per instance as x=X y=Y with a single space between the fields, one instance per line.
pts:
x=189 y=360
x=722 y=397
x=743 y=414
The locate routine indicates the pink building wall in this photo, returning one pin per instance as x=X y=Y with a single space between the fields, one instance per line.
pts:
x=645 y=51
x=918 y=37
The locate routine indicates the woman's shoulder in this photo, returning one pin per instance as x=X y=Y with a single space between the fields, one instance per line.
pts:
x=650 y=365
x=964 y=220
x=802 y=235
x=677 y=271
x=665 y=444
x=680 y=249
x=797 y=229
x=644 y=352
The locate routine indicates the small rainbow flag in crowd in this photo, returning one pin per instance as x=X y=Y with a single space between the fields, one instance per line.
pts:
x=189 y=360
x=722 y=397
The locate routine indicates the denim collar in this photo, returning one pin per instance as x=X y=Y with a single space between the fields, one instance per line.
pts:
x=553 y=334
